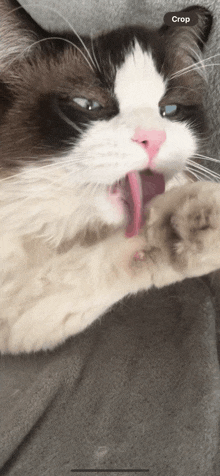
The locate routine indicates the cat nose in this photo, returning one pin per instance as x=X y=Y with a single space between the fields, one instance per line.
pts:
x=151 y=141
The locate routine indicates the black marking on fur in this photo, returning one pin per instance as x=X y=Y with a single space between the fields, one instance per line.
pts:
x=6 y=99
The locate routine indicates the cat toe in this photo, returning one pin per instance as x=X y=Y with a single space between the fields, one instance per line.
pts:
x=195 y=229
x=193 y=219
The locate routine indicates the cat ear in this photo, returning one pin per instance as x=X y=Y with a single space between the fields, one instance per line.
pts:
x=18 y=31
x=184 y=45
x=196 y=35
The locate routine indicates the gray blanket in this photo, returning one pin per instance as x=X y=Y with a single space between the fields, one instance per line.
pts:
x=140 y=389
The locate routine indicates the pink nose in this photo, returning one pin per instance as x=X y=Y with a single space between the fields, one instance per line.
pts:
x=151 y=141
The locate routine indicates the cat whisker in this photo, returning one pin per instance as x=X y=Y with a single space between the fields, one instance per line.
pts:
x=205 y=66
x=202 y=167
x=47 y=39
x=205 y=157
x=209 y=178
x=198 y=175
x=59 y=14
x=94 y=55
x=195 y=53
x=198 y=60
x=180 y=87
x=68 y=121
x=61 y=163
x=13 y=10
x=198 y=64
x=38 y=166
x=199 y=38
x=202 y=60
x=193 y=173
x=209 y=174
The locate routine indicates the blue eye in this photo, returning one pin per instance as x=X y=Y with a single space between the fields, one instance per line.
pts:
x=169 y=110
x=88 y=104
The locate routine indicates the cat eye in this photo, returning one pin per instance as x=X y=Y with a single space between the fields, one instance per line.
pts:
x=169 y=110
x=88 y=104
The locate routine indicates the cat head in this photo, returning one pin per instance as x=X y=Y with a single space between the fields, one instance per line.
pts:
x=95 y=111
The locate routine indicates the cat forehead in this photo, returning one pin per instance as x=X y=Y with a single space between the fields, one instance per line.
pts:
x=137 y=81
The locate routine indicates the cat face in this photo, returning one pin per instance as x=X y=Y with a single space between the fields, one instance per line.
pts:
x=101 y=111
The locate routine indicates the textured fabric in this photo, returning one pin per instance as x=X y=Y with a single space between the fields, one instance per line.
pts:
x=140 y=389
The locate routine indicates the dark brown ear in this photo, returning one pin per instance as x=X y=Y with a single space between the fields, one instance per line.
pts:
x=196 y=34
x=183 y=64
x=183 y=48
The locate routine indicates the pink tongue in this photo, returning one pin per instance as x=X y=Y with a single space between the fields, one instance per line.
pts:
x=142 y=188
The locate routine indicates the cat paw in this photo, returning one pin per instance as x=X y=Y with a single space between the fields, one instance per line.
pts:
x=184 y=224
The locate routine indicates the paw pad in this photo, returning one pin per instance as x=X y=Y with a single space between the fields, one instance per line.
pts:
x=140 y=256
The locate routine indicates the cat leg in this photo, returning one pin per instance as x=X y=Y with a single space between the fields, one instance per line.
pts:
x=181 y=239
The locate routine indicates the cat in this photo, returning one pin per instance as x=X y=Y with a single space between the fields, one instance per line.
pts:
x=92 y=132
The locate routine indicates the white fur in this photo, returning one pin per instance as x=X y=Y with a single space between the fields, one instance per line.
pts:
x=138 y=84
x=106 y=152
x=47 y=296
